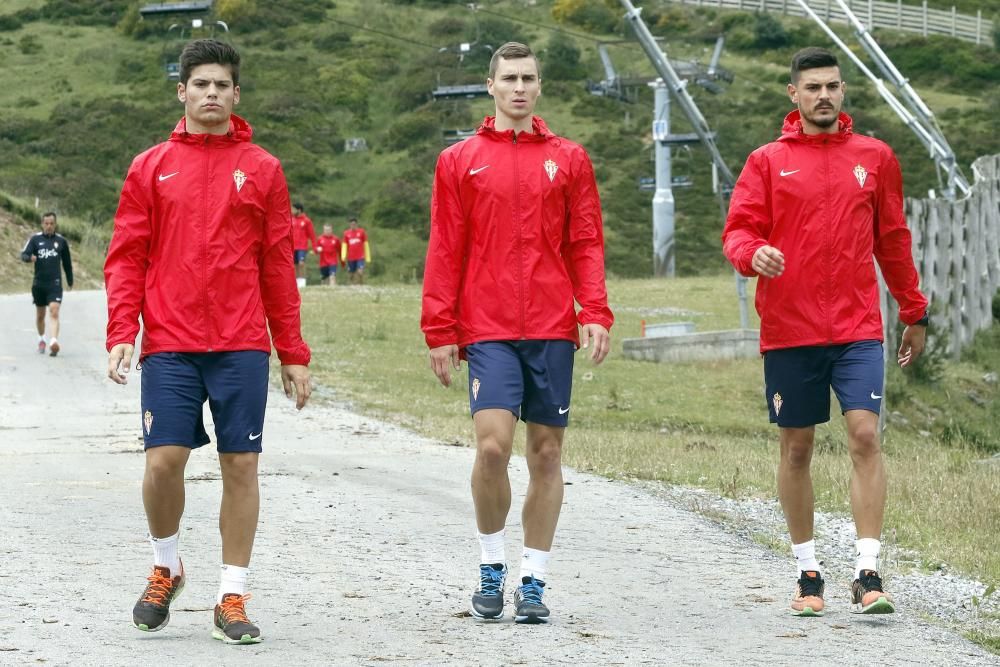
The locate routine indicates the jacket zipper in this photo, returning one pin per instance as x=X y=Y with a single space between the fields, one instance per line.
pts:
x=204 y=248
x=828 y=245
x=520 y=238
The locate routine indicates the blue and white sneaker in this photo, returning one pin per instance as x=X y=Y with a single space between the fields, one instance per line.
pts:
x=487 y=601
x=528 y=607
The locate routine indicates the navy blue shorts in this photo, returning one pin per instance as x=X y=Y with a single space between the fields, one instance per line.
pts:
x=299 y=256
x=45 y=293
x=175 y=386
x=355 y=265
x=797 y=381
x=531 y=378
x=327 y=271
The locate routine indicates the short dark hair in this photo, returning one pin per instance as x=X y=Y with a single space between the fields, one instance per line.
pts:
x=50 y=214
x=298 y=206
x=512 y=51
x=209 y=52
x=811 y=57
x=352 y=219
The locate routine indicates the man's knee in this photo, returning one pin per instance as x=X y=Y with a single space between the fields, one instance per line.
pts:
x=239 y=468
x=163 y=464
x=492 y=454
x=796 y=452
x=864 y=442
x=544 y=449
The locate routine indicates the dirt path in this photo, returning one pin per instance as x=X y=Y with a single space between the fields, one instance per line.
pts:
x=365 y=553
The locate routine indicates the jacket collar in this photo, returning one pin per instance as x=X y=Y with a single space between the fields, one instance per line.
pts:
x=239 y=130
x=539 y=130
x=791 y=130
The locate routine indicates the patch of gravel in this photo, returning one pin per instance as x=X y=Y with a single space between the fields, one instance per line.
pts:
x=943 y=596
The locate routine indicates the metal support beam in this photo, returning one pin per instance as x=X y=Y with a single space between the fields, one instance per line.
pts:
x=663 y=199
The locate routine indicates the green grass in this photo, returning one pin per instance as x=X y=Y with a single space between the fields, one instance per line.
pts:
x=702 y=424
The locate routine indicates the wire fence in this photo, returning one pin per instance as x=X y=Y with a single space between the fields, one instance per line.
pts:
x=892 y=15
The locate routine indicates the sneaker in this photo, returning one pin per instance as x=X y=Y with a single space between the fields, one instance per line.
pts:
x=487 y=601
x=231 y=623
x=528 y=607
x=53 y=349
x=41 y=347
x=152 y=611
x=867 y=596
x=808 y=600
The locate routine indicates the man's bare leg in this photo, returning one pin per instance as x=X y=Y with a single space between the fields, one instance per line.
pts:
x=490 y=483
x=545 y=487
x=163 y=488
x=795 y=488
x=240 y=506
x=40 y=320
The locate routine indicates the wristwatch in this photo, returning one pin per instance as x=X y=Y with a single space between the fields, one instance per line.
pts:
x=925 y=320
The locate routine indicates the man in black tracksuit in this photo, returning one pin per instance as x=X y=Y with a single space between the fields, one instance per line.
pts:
x=47 y=250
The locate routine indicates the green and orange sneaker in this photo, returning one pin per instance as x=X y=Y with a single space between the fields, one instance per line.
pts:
x=808 y=600
x=231 y=623
x=152 y=611
x=867 y=596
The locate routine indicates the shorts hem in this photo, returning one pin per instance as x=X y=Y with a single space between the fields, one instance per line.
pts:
x=149 y=445
x=845 y=408
x=509 y=409
x=547 y=422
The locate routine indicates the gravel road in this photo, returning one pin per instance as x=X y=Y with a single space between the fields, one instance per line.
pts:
x=366 y=551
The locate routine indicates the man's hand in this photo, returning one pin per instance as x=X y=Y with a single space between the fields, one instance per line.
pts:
x=34 y=258
x=120 y=362
x=441 y=357
x=599 y=336
x=296 y=377
x=911 y=345
x=768 y=261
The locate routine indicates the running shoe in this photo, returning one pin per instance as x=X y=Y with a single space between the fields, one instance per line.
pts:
x=867 y=596
x=41 y=347
x=152 y=611
x=53 y=349
x=808 y=600
x=487 y=601
x=528 y=607
x=231 y=623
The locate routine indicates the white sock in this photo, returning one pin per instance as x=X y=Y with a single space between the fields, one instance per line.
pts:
x=868 y=548
x=805 y=556
x=165 y=553
x=491 y=548
x=234 y=580
x=41 y=337
x=534 y=563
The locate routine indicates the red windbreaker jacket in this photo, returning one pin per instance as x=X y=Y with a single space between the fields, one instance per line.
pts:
x=516 y=235
x=829 y=202
x=202 y=250
x=328 y=249
x=303 y=232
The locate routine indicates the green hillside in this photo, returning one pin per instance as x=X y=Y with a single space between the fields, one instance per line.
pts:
x=85 y=89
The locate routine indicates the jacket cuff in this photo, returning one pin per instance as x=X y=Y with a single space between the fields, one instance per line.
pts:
x=295 y=358
x=440 y=340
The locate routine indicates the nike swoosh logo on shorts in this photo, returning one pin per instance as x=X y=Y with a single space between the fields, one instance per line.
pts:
x=563 y=411
x=473 y=172
x=254 y=437
x=875 y=397
x=165 y=177
x=789 y=173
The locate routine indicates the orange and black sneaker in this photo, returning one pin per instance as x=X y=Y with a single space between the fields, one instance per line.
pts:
x=231 y=623
x=152 y=611
x=54 y=348
x=808 y=600
x=867 y=596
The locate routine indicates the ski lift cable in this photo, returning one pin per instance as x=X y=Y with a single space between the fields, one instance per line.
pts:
x=383 y=33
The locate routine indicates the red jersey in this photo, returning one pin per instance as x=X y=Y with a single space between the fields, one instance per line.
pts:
x=328 y=248
x=829 y=202
x=355 y=240
x=516 y=238
x=202 y=250
x=303 y=232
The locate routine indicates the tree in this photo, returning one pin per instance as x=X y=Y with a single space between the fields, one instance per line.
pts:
x=562 y=59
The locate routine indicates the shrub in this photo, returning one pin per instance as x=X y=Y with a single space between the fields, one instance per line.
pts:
x=562 y=59
x=592 y=15
x=29 y=45
x=411 y=129
x=768 y=32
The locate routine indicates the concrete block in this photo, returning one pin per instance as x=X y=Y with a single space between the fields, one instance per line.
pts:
x=709 y=345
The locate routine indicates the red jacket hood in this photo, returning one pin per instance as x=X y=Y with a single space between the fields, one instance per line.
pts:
x=239 y=130
x=791 y=129
x=539 y=130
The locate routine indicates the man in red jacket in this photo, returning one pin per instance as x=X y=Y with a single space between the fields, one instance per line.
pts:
x=202 y=252
x=807 y=213
x=516 y=236
x=355 y=251
x=303 y=234
x=328 y=249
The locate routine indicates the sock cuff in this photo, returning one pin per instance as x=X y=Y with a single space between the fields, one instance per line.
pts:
x=867 y=546
x=164 y=540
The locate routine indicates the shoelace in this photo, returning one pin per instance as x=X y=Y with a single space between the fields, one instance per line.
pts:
x=159 y=588
x=531 y=592
x=490 y=580
x=809 y=586
x=870 y=581
x=232 y=609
